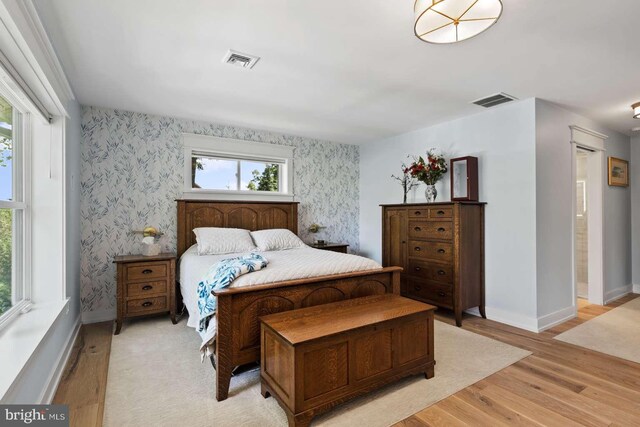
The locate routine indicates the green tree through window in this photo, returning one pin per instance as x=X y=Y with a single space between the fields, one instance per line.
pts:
x=265 y=181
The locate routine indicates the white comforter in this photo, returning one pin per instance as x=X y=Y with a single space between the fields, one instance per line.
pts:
x=290 y=264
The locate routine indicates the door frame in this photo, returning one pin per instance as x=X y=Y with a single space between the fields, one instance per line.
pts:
x=592 y=142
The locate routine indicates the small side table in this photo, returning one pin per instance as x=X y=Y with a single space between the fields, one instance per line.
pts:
x=334 y=247
x=146 y=285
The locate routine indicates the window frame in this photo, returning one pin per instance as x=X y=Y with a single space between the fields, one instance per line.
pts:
x=21 y=249
x=238 y=150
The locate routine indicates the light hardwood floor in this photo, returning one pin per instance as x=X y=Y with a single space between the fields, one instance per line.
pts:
x=558 y=385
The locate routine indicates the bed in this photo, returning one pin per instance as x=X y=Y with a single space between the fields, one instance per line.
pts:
x=240 y=306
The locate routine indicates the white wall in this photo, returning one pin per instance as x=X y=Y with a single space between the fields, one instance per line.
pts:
x=554 y=186
x=503 y=139
x=634 y=176
x=46 y=332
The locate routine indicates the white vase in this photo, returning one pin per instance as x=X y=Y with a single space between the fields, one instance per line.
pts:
x=431 y=193
x=151 y=250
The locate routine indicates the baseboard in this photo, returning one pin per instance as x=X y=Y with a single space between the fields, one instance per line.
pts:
x=617 y=293
x=550 y=320
x=636 y=289
x=56 y=374
x=508 y=318
x=98 y=316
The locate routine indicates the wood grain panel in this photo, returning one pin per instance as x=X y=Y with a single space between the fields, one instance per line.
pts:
x=250 y=326
x=369 y=287
x=243 y=217
x=324 y=295
x=278 y=362
x=373 y=353
x=327 y=368
x=410 y=341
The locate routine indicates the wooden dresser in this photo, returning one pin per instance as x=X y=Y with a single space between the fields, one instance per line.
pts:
x=440 y=246
x=146 y=285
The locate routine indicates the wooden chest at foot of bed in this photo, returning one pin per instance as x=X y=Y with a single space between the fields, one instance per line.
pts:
x=316 y=358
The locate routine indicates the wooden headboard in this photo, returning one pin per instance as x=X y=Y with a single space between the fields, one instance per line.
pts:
x=232 y=214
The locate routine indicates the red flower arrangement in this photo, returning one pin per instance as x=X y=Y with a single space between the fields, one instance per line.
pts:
x=430 y=170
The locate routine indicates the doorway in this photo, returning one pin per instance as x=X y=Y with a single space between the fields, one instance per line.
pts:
x=588 y=202
x=582 y=228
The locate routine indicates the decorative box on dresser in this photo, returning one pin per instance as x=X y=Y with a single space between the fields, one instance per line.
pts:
x=146 y=285
x=440 y=246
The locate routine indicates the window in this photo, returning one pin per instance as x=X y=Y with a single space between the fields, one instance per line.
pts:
x=237 y=169
x=13 y=291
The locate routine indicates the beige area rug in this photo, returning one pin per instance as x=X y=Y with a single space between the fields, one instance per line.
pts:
x=617 y=332
x=156 y=378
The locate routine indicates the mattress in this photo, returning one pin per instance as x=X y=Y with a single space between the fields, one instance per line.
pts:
x=290 y=264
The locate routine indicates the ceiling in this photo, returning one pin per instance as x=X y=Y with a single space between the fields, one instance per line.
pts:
x=348 y=71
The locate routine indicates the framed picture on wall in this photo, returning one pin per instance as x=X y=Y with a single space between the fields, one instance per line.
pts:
x=618 y=172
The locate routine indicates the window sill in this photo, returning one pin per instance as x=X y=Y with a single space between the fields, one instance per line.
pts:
x=20 y=340
x=237 y=195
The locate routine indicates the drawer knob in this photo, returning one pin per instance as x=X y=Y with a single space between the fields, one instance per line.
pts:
x=147 y=304
x=417 y=287
x=441 y=229
x=440 y=212
x=147 y=271
x=146 y=288
x=418 y=269
x=441 y=251
x=441 y=272
x=418 y=213
x=417 y=249
x=417 y=228
x=441 y=293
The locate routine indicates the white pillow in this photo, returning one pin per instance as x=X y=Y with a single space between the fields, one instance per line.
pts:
x=276 y=239
x=215 y=241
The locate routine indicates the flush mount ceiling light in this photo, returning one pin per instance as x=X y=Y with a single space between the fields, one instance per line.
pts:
x=450 y=21
x=636 y=110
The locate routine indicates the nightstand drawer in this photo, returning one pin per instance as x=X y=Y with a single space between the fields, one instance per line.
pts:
x=146 y=288
x=152 y=270
x=147 y=305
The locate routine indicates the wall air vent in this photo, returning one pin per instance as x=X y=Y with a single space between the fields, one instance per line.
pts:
x=240 y=59
x=493 y=100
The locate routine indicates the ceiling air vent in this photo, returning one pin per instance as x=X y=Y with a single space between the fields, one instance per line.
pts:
x=240 y=59
x=493 y=100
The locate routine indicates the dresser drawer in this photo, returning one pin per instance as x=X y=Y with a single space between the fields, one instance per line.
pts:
x=142 y=289
x=431 y=271
x=441 y=213
x=442 y=230
x=440 y=295
x=147 y=271
x=431 y=250
x=147 y=305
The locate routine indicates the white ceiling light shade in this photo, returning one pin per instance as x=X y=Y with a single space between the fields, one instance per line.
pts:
x=636 y=110
x=450 y=21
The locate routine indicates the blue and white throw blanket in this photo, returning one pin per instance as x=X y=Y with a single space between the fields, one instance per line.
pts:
x=220 y=276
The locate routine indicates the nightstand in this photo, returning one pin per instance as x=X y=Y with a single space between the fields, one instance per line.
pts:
x=333 y=247
x=146 y=285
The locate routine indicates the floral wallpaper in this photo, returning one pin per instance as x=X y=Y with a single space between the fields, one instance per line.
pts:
x=131 y=174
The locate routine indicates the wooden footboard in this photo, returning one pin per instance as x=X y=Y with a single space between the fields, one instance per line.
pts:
x=239 y=309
